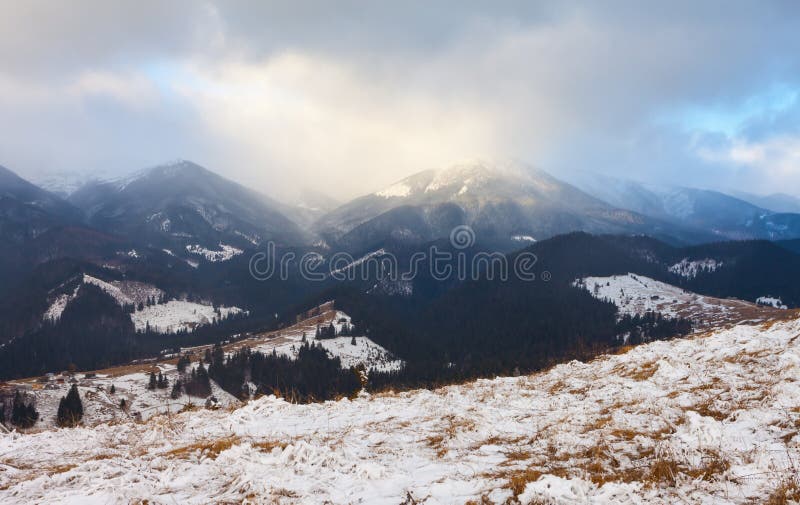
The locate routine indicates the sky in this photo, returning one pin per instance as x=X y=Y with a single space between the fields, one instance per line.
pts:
x=347 y=97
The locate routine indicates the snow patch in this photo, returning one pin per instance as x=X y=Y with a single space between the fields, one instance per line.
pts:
x=690 y=269
x=364 y=352
x=637 y=294
x=359 y=261
x=225 y=253
x=399 y=190
x=771 y=302
x=176 y=315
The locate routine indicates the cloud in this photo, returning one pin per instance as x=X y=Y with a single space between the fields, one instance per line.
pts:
x=346 y=97
x=772 y=164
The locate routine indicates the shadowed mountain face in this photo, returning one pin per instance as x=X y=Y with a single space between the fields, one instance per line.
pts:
x=723 y=216
x=27 y=211
x=501 y=203
x=29 y=215
x=183 y=203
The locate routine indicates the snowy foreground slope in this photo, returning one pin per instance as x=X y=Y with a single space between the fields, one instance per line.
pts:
x=713 y=418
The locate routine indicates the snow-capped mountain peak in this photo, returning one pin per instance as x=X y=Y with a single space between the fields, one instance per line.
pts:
x=457 y=179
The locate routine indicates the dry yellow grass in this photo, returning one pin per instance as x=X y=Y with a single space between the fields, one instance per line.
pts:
x=787 y=491
x=268 y=445
x=209 y=449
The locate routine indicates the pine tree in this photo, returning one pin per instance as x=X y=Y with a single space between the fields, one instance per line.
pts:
x=22 y=414
x=123 y=404
x=176 y=390
x=304 y=337
x=153 y=381
x=113 y=389
x=183 y=362
x=353 y=340
x=70 y=408
x=218 y=356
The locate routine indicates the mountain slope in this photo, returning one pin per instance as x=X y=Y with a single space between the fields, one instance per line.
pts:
x=29 y=218
x=776 y=202
x=182 y=204
x=498 y=201
x=27 y=211
x=721 y=215
x=680 y=421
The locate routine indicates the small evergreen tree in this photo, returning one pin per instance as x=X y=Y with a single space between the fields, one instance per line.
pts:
x=218 y=356
x=353 y=340
x=176 y=390
x=70 y=408
x=123 y=404
x=113 y=389
x=153 y=381
x=23 y=414
x=183 y=362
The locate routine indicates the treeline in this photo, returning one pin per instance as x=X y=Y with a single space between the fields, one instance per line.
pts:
x=95 y=332
x=639 y=329
x=312 y=376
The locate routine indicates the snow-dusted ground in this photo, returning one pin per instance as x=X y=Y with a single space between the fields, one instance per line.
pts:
x=58 y=304
x=771 y=301
x=636 y=294
x=690 y=269
x=522 y=238
x=123 y=292
x=355 y=263
x=126 y=292
x=178 y=315
x=364 y=352
x=709 y=419
x=101 y=406
x=398 y=190
x=225 y=252
x=166 y=317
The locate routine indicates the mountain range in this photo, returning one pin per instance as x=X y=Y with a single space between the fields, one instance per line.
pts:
x=182 y=208
x=92 y=279
x=723 y=216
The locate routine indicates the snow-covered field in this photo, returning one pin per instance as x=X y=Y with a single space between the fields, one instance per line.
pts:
x=167 y=317
x=712 y=418
x=179 y=315
x=224 y=253
x=636 y=294
x=364 y=352
x=123 y=292
x=102 y=406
